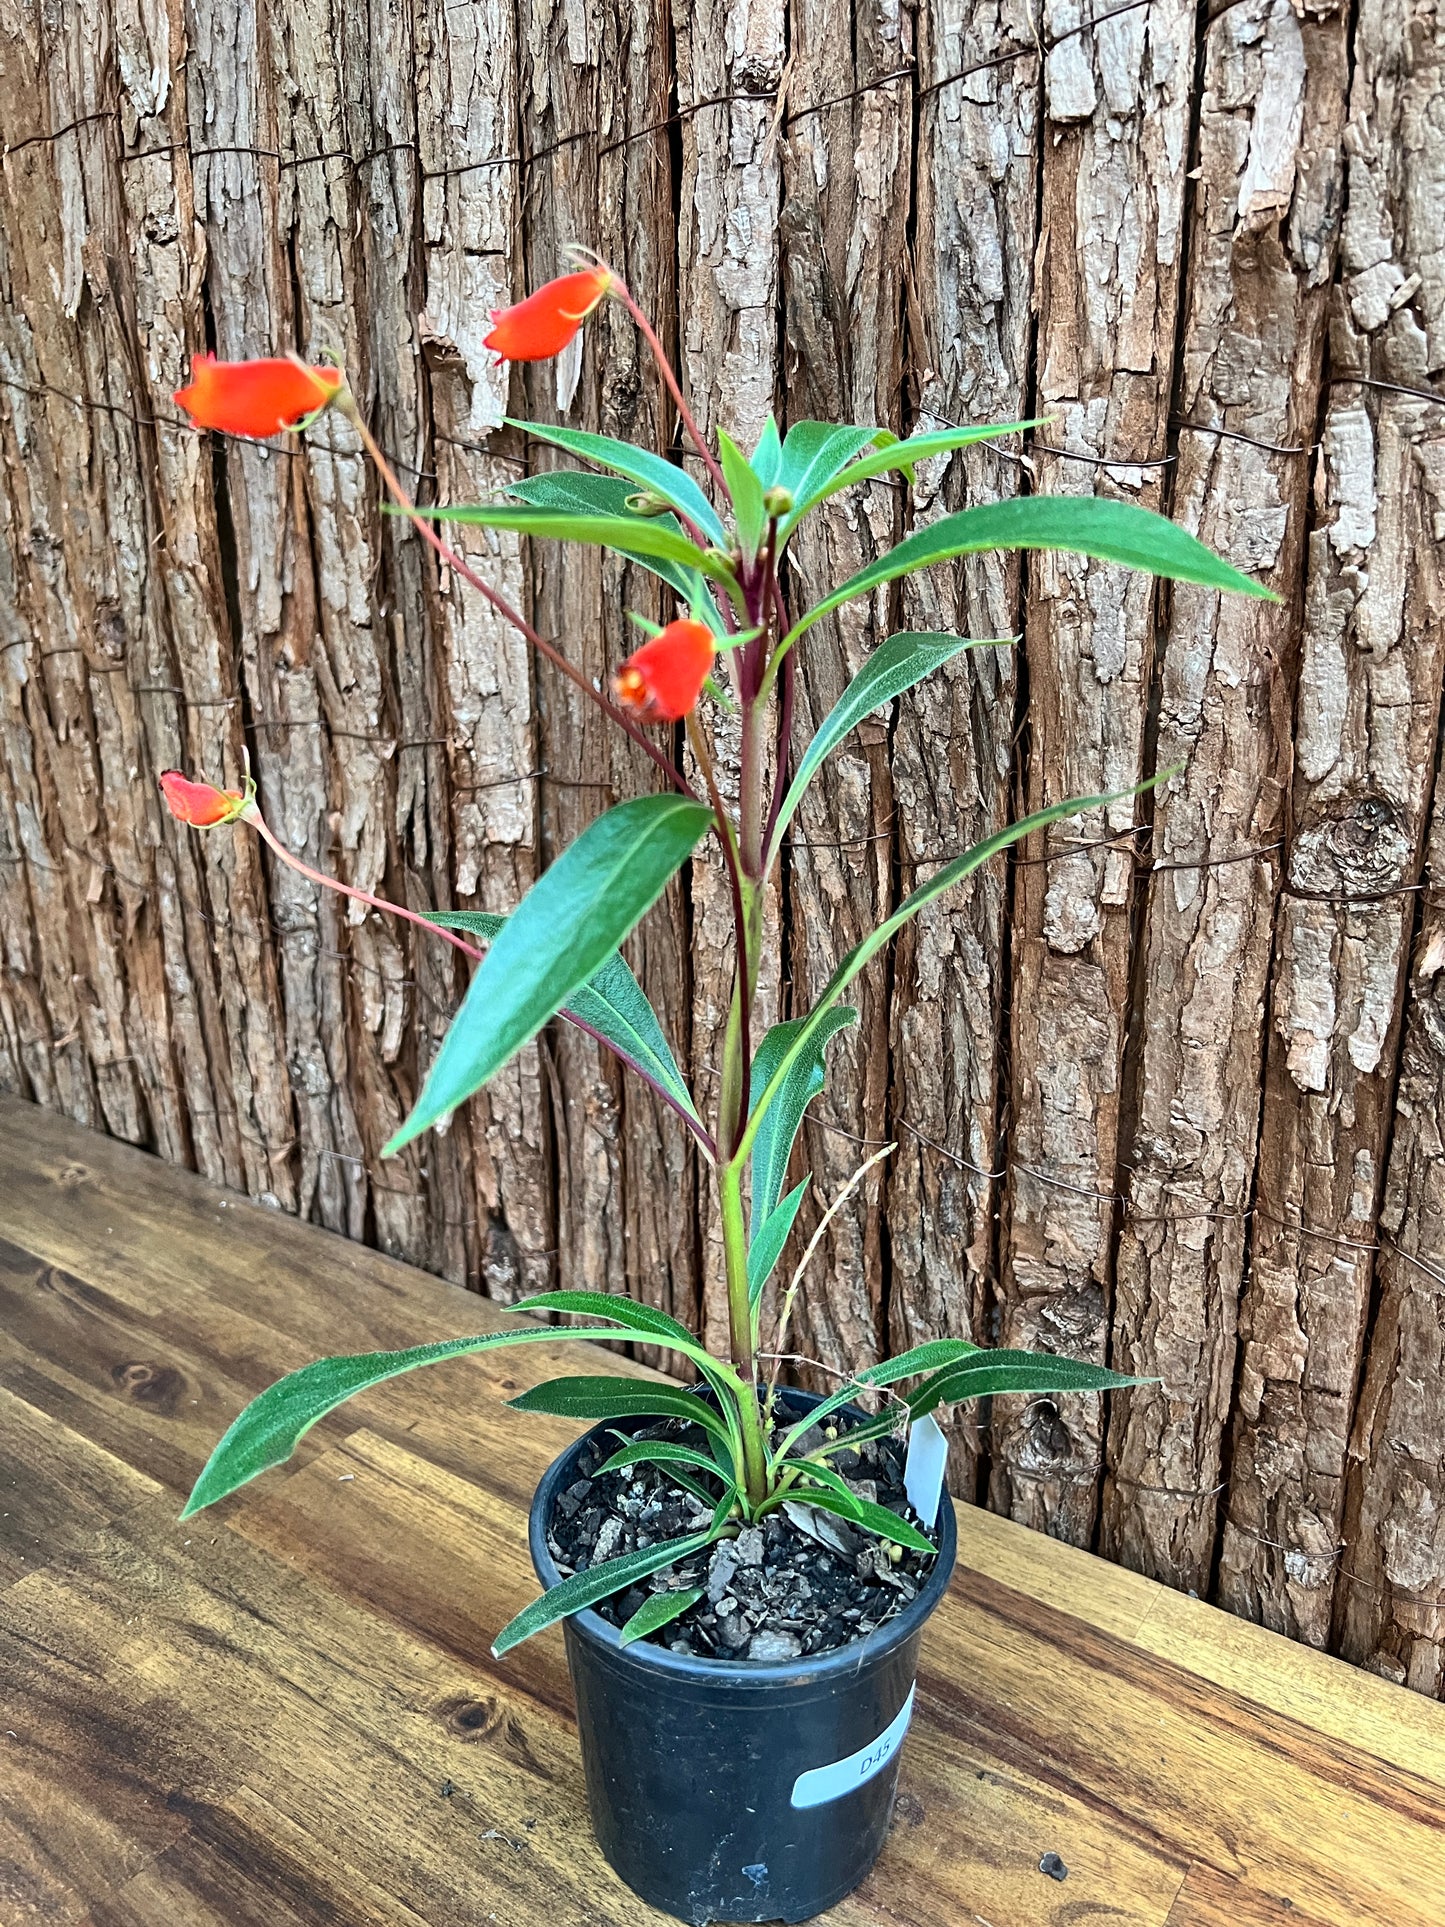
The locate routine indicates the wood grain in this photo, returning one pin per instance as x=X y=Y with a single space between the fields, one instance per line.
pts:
x=284 y=1711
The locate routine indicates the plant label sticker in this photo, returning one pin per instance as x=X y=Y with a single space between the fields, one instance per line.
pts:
x=823 y=1783
x=927 y=1462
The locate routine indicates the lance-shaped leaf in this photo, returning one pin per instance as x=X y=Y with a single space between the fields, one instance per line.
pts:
x=813 y=453
x=746 y=491
x=895 y=665
x=631 y=535
x=766 y=1245
x=787 y=1075
x=272 y=1425
x=657 y=1452
x=598 y=1582
x=889 y=453
x=611 y=1003
x=646 y=1319
x=1110 y=531
x=650 y=1323
x=563 y=930
x=927 y=1357
x=817 y=1022
x=839 y=1497
x=600 y=1397
x=766 y=459
x=572 y=492
x=659 y=1611
x=992 y=1372
x=639 y=465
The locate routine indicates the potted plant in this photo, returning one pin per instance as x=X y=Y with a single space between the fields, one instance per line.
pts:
x=743 y=1571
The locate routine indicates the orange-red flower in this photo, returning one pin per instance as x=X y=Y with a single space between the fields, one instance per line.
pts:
x=199 y=804
x=661 y=681
x=543 y=324
x=255 y=398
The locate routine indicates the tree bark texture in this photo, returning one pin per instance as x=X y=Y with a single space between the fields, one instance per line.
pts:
x=1167 y=1089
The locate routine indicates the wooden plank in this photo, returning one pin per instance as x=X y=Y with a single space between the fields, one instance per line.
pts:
x=1184 y=1765
x=1107 y=278
x=970 y=276
x=1262 y=240
x=1390 y=1603
x=730 y=58
x=56 y=1488
x=842 y=262
x=1367 y=743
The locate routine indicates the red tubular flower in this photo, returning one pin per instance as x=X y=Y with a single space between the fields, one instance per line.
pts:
x=255 y=398
x=199 y=804
x=661 y=681
x=543 y=324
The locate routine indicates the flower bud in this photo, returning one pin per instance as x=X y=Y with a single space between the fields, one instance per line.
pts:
x=201 y=804
x=778 y=501
x=644 y=502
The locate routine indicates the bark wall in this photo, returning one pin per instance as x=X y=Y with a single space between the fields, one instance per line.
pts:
x=1168 y=1089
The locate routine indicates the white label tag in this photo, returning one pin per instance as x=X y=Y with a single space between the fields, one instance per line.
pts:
x=927 y=1463
x=823 y=1783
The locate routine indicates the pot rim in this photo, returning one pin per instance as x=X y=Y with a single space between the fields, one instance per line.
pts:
x=810 y=1669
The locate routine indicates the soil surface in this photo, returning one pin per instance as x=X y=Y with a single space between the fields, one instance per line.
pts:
x=802 y=1581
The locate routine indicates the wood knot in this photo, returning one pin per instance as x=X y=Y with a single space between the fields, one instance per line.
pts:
x=158 y=1386
x=472 y=1719
x=909 y=1810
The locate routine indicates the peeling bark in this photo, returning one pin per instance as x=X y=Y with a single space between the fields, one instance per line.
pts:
x=1367 y=725
x=1263 y=234
x=1106 y=285
x=908 y=216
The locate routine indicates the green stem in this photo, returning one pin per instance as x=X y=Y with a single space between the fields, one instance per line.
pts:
x=740 y=1324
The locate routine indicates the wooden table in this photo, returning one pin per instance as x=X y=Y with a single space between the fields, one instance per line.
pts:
x=284 y=1712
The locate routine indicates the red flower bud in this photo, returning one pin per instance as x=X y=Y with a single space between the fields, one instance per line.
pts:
x=198 y=803
x=255 y=398
x=661 y=681
x=543 y=324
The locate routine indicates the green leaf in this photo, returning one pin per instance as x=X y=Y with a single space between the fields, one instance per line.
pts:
x=994 y=1372
x=1080 y=524
x=639 y=465
x=563 y=930
x=766 y=460
x=892 y=453
x=873 y=1518
x=598 y=1582
x=600 y=1397
x=797 y=1086
x=611 y=1002
x=646 y=1319
x=272 y=1425
x=895 y=665
x=630 y=535
x=818 y=1025
x=660 y=1611
x=571 y=492
x=768 y=1240
x=813 y=453
x=658 y=1452
x=926 y=1357
x=650 y=1323
x=746 y=491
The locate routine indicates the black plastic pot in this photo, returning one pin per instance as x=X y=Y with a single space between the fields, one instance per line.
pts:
x=727 y=1790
